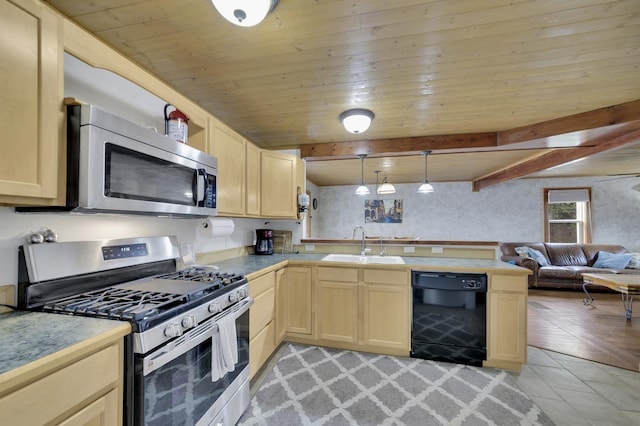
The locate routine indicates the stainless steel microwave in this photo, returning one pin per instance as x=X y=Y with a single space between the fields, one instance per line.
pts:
x=116 y=166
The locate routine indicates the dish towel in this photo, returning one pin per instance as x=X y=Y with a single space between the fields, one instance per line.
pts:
x=224 y=346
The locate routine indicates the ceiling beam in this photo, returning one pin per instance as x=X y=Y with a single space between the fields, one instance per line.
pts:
x=555 y=158
x=612 y=115
x=397 y=146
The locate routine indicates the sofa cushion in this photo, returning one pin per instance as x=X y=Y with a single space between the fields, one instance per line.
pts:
x=509 y=249
x=612 y=260
x=557 y=272
x=561 y=254
x=579 y=270
x=591 y=250
x=537 y=256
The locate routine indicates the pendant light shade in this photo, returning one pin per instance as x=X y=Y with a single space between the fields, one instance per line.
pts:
x=426 y=187
x=245 y=13
x=362 y=189
x=356 y=120
x=386 y=187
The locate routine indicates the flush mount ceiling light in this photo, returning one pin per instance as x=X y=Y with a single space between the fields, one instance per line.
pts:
x=362 y=189
x=245 y=13
x=426 y=187
x=356 y=120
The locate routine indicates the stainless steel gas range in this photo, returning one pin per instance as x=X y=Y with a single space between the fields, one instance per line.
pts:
x=187 y=360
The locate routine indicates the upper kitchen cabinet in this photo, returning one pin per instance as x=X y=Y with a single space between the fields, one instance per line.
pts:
x=31 y=87
x=229 y=148
x=253 y=197
x=279 y=185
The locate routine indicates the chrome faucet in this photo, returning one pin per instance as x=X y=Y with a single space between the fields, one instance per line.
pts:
x=363 y=245
x=383 y=249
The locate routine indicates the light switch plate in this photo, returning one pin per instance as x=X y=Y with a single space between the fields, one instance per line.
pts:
x=309 y=247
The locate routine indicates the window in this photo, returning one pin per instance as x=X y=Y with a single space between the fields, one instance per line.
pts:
x=567 y=215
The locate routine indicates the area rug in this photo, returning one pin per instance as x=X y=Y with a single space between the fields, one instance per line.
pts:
x=311 y=385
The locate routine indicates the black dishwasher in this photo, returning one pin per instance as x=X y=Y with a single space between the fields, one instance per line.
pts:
x=449 y=317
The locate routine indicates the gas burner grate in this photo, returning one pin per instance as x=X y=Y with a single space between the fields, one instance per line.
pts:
x=117 y=303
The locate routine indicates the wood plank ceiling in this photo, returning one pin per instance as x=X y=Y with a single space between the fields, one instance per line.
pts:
x=498 y=89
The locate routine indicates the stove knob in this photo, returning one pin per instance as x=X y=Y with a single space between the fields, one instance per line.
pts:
x=215 y=307
x=242 y=293
x=189 y=321
x=173 y=330
x=233 y=297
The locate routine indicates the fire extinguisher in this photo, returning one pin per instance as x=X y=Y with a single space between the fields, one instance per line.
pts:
x=176 y=124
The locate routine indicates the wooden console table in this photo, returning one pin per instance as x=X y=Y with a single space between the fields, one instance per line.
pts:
x=627 y=285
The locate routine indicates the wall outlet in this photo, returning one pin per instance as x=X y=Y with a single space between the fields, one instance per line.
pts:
x=436 y=250
x=409 y=249
x=309 y=247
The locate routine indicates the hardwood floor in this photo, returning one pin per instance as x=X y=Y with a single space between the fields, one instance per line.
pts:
x=560 y=322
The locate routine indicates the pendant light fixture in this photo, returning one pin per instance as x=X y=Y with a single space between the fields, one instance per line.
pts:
x=356 y=120
x=245 y=13
x=426 y=187
x=386 y=188
x=362 y=189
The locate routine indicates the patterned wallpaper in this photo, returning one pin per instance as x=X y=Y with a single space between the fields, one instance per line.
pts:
x=512 y=211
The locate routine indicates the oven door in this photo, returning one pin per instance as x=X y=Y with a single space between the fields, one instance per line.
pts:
x=173 y=385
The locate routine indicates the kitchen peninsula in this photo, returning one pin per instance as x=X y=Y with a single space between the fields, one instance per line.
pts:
x=302 y=298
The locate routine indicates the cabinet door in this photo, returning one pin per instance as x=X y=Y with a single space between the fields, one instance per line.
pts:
x=230 y=151
x=279 y=197
x=387 y=316
x=338 y=311
x=32 y=145
x=299 y=300
x=253 y=180
x=507 y=320
x=281 y=305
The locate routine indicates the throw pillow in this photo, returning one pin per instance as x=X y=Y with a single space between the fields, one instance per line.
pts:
x=634 y=263
x=522 y=251
x=611 y=260
x=537 y=256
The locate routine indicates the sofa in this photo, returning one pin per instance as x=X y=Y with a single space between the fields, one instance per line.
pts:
x=566 y=262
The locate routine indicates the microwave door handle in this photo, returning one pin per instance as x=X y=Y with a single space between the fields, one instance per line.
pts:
x=201 y=187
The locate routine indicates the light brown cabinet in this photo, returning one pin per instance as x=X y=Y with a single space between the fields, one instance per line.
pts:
x=86 y=391
x=31 y=87
x=281 y=305
x=253 y=180
x=299 y=301
x=279 y=183
x=506 y=321
x=262 y=340
x=230 y=151
x=365 y=309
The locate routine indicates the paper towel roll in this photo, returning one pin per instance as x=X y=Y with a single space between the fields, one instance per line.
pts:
x=213 y=227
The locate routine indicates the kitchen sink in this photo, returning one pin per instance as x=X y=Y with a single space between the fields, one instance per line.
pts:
x=373 y=259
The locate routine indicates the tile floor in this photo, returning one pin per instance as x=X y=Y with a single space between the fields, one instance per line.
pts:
x=574 y=391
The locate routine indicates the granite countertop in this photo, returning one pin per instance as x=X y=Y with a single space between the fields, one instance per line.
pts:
x=31 y=336
x=256 y=265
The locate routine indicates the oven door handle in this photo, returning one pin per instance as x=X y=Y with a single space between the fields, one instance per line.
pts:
x=181 y=345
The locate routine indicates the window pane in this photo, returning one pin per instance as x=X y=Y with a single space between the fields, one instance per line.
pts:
x=563 y=232
x=562 y=211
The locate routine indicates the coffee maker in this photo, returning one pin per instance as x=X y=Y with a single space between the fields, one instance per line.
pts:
x=264 y=241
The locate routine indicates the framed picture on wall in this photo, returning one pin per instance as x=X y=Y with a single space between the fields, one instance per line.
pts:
x=383 y=211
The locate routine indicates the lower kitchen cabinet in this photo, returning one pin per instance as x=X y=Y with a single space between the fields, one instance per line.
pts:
x=507 y=321
x=364 y=309
x=387 y=309
x=262 y=341
x=87 y=391
x=338 y=304
x=299 y=299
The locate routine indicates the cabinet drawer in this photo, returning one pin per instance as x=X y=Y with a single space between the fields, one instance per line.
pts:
x=261 y=312
x=261 y=347
x=338 y=274
x=378 y=276
x=261 y=284
x=68 y=389
x=508 y=283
